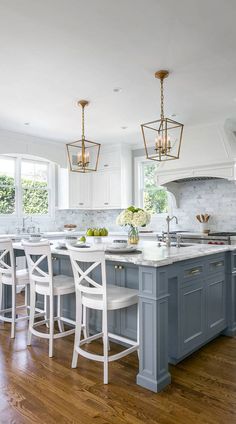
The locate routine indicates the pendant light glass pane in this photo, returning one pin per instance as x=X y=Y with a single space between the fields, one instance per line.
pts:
x=162 y=139
x=83 y=156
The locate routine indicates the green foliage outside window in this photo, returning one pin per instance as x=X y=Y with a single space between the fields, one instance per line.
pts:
x=155 y=198
x=7 y=194
x=34 y=196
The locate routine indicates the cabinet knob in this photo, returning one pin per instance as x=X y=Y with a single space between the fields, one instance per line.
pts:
x=119 y=267
x=80 y=203
x=105 y=165
x=106 y=203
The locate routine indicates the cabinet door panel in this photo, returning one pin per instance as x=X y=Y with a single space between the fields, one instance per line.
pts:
x=100 y=190
x=115 y=189
x=79 y=190
x=216 y=311
x=193 y=316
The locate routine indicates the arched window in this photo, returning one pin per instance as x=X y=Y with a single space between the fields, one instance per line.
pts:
x=26 y=186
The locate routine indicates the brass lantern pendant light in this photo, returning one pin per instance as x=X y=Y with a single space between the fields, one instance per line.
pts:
x=162 y=138
x=83 y=154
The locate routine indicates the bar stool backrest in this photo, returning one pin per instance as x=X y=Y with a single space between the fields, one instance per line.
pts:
x=83 y=282
x=7 y=260
x=39 y=258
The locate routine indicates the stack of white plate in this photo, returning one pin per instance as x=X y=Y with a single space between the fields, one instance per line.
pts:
x=112 y=248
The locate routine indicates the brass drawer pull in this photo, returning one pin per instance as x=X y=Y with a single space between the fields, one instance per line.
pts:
x=195 y=271
x=219 y=263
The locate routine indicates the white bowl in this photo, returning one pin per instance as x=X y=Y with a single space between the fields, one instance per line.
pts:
x=35 y=237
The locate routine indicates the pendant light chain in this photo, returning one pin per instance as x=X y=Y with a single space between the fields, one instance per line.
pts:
x=162 y=99
x=83 y=123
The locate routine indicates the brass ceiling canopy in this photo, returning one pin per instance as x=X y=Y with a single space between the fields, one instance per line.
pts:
x=83 y=154
x=163 y=137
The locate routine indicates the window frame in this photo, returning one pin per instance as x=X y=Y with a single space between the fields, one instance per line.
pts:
x=139 y=163
x=19 y=213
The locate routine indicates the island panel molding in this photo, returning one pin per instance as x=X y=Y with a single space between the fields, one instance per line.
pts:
x=153 y=322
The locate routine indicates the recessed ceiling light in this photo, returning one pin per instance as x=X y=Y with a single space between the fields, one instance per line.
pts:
x=117 y=89
x=26 y=123
x=124 y=128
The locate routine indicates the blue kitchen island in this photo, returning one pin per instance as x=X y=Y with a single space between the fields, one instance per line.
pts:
x=187 y=297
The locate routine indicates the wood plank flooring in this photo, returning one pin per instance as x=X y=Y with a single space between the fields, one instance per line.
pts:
x=37 y=389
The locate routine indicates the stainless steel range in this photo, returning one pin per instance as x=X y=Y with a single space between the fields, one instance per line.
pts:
x=218 y=238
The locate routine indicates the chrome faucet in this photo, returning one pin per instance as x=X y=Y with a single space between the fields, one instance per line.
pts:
x=168 y=219
x=24 y=229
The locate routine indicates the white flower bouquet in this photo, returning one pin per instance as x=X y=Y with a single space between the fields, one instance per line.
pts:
x=135 y=217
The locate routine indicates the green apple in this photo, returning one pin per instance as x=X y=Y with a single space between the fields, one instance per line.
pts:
x=96 y=232
x=83 y=239
x=90 y=232
x=105 y=231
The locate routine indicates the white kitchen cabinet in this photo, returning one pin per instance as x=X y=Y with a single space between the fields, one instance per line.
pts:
x=100 y=190
x=109 y=160
x=108 y=188
x=74 y=190
x=80 y=190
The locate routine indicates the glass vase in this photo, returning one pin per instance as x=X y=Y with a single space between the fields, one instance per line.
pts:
x=133 y=235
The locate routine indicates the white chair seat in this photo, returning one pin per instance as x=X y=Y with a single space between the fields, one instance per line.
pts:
x=62 y=284
x=22 y=277
x=117 y=298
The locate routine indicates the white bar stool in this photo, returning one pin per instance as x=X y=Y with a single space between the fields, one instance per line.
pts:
x=9 y=276
x=39 y=258
x=103 y=297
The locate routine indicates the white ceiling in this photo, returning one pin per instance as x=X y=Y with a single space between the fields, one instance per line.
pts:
x=54 y=52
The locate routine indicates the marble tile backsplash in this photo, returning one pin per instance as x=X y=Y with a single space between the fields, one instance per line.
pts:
x=87 y=218
x=215 y=197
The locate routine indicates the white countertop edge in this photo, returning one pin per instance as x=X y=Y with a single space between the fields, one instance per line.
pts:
x=165 y=256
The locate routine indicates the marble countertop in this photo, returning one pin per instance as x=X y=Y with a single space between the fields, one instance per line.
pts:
x=151 y=254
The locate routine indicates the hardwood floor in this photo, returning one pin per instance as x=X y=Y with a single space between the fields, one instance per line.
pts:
x=37 y=389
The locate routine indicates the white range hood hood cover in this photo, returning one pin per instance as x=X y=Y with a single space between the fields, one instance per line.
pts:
x=207 y=151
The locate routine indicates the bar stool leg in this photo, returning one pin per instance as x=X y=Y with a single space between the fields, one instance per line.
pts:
x=59 y=314
x=32 y=313
x=77 y=329
x=1 y=290
x=51 y=326
x=13 y=311
x=46 y=316
x=105 y=346
x=85 y=322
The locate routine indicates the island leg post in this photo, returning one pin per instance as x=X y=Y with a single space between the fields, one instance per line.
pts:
x=153 y=327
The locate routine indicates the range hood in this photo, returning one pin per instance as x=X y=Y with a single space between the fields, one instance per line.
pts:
x=208 y=151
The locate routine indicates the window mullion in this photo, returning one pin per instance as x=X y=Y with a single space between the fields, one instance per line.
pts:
x=18 y=188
